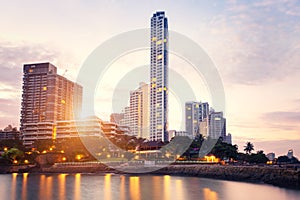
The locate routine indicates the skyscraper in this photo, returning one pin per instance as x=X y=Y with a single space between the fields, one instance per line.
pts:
x=47 y=97
x=159 y=77
x=204 y=111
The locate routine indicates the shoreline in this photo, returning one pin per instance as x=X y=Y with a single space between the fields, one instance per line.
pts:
x=281 y=177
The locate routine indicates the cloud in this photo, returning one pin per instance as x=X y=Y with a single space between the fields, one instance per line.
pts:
x=13 y=56
x=282 y=117
x=257 y=42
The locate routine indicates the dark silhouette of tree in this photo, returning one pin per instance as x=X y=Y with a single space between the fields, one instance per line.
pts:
x=285 y=159
x=248 y=148
x=259 y=157
x=223 y=150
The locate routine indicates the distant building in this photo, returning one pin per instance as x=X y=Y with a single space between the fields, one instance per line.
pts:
x=192 y=118
x=203 y=127
x=196 y=118
x=159 y=77
x=173 y=133
x=117 y=117
x=217 y=125
x=228 y=139
x=203 y=111
x=9 y=135
x=139 y=111
x=126 y=120
x=47 y=97
x=271 y=156
x=290 y=154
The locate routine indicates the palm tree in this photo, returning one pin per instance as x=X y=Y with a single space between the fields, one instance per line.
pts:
x=249 y=147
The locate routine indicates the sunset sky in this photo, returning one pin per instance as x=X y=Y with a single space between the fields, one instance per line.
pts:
x=254 y=45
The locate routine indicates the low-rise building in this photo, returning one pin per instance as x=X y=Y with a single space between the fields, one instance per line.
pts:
x=9 y=135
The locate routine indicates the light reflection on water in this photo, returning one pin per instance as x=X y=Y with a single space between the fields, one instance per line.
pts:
x=109 y=186
x=77 y=189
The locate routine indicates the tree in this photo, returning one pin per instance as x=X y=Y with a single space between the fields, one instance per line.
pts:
x=13 y=154
x=249 y=147
x=259 y=157
x=223 y=150
x=285 y=159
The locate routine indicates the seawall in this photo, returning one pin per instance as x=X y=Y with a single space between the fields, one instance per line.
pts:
x=289 y=178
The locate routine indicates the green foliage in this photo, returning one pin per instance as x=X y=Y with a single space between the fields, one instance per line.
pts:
x=13 y=154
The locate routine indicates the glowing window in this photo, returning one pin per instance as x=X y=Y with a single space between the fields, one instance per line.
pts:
x=44 y=88
x=63 y=101
x=158 y=42
x=154 y=39
x=159 y=57
x=30 y=70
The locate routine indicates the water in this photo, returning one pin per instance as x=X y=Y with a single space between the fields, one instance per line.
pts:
x=110 y=186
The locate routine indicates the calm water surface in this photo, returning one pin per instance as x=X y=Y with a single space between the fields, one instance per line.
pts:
x=110 y=186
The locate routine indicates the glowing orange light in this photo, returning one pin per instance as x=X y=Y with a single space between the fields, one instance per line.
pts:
x=26 y=161
x=15 y=162
x=64 y=159
x=5 y=148
x=78 y=157
x=44 y=151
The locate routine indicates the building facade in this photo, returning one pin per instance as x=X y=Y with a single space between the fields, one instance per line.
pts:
x=217 y=125
x=196 y=118
x=159 y=77
x=47 y=97
x=192 y=116
x=136 y=115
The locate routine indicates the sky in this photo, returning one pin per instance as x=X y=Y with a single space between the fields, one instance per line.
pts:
x=255 y=45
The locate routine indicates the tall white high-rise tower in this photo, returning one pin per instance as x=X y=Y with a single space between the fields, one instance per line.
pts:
x=159 y=77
